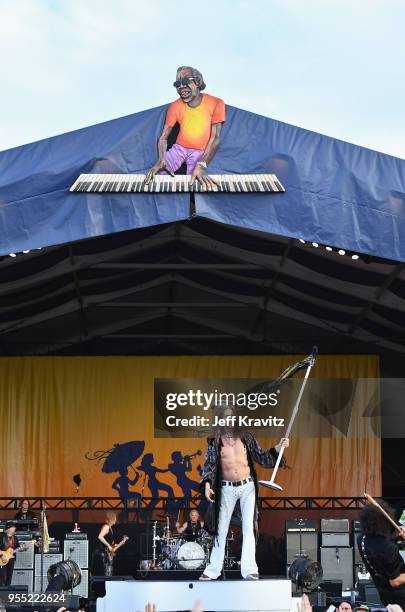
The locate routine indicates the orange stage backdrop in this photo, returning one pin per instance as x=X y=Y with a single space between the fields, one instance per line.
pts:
x=54 y=410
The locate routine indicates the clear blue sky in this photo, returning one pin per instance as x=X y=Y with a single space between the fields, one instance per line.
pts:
x=332 y=66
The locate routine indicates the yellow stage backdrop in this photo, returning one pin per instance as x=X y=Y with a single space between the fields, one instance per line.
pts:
x=54 y=410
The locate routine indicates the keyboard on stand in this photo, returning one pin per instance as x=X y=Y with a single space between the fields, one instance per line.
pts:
x=164 y=183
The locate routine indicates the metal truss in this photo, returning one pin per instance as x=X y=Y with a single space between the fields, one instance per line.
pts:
x=160 y=503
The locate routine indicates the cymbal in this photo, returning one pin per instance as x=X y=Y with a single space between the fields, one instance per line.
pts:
x=166 y=516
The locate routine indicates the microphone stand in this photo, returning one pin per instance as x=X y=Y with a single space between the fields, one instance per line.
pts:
x=270 y=484
x=42 y=547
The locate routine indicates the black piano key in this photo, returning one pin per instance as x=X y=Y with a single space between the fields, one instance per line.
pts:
x=278 y=185
x=240 y=186
x=256 y=186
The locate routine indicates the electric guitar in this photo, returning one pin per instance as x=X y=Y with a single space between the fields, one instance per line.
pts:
x=6 y=555
x=111 y=553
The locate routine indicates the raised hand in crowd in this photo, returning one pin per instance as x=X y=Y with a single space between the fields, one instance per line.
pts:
x=150 y=607
x=394 y=608
x=304 y=605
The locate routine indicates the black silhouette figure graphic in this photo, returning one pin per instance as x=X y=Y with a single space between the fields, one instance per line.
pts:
x=118 y=459
x=122 y=482
x=154 y=485
x=180 y=466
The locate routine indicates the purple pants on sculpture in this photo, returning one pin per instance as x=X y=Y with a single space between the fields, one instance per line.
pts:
x=177 y=155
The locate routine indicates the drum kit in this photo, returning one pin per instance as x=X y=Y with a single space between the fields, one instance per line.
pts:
x=180 y=551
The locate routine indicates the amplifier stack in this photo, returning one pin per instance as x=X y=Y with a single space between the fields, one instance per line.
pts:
x=301 y=537
x=76 y=548
x=336 y=552
x=32 y=569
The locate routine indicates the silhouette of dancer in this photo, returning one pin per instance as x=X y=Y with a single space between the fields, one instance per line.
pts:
x=180 y=466
x=152 y=482
x=121 y=485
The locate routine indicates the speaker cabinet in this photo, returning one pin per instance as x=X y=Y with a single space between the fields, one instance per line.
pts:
x=23 y=577
x=335 y=539
x=337 y=564
x=82 y=589
x=25 y=558
x=335 y=525
x=301 y=543
x=78 y=551
x=49 y=559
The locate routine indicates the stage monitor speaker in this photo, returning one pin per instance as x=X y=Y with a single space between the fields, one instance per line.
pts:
x=299 y=543
x=335 y=539
x=49 y=559
x=23 y=577
x=332 y=588
x=25 y=558
x=337 y=564
x=78 y=551
x=335 y=525
x=368 y=592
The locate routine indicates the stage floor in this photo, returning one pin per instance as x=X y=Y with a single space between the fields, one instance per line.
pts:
x=272 y=595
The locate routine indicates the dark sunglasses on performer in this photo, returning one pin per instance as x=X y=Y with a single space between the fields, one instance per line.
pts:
x=183 y=82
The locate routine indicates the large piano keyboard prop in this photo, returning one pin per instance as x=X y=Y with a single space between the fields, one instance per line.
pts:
x=164 y=183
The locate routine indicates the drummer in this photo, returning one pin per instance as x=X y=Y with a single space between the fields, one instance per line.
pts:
x=193 y=527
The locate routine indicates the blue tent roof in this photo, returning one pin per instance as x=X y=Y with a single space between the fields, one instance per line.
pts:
x=336 y=193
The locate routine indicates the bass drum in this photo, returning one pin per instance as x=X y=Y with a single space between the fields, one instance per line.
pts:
x=191 y=556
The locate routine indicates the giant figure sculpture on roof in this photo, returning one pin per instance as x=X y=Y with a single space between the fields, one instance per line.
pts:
x=200 y=117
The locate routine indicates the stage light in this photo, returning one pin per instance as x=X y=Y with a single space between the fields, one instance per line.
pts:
x=328 y=248
x=301 y=240
x=13 y=254
x=315 y=244
x=355 y=256
x=26 y=251
x=342 y=252
x=306 y=574
x=64 y=576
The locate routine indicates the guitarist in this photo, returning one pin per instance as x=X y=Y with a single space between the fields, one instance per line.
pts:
x=8 y=540
x=380 y=554
x=109 y=547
